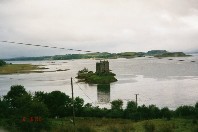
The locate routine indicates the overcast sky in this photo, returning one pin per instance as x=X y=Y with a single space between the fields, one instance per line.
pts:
x=98 y=25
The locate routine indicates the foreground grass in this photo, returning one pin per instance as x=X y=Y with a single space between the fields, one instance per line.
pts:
x=18 y=68
x=122 y=125
x=116 y=125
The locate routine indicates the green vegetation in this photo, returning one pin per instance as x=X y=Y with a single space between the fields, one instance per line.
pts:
x=156 y=52
x=87 y=124
x=84 y=56
x=104 y=55
x=2 y=63
x=130 y=54
x=164 y=53
x=124 y=125
x=18 y=68
x=172 y=54
x=68 y=57
x=22 y=111
x=96 y=78
x=30 y=58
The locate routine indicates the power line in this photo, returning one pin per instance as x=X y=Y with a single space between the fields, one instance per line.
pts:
x=46 y=46
x=73 y=103
x=84 y=92
x=146 y=98
x=136 y=99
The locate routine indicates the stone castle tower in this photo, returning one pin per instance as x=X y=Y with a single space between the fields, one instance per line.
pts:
x=102 y=67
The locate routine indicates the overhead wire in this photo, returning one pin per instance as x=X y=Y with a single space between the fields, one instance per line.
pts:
x=146 y=98
x=46 y=46
x=69 y=49
x=84 y=92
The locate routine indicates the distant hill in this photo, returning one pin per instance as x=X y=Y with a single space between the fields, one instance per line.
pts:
x=156 y=52
x=174 y=54
x=103 y=55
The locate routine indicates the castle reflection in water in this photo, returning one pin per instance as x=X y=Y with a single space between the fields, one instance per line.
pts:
x=103 y=93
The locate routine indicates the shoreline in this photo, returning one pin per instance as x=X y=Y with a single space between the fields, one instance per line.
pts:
x=103 y=55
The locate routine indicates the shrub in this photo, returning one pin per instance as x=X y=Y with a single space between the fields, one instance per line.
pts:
x=14 y=94
x=166 y=128
x=166 y=113
x=185 y=111
x=58 y=103
x=4 y=109
x=85 y=128
x=128 y=128
x=2 y=63
x=149 y=126
x=113 y=129
x=117 y=104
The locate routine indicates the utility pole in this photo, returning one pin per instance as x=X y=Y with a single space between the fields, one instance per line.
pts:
x=136 y=99
x=73 y=102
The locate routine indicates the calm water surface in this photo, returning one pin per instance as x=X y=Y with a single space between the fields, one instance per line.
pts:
x=162 y=82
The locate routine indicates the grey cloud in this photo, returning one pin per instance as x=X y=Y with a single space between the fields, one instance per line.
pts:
x=100 y=25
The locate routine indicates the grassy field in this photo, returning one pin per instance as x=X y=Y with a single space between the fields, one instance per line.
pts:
x=115 y=125
x=18 y=68
x=121 y=125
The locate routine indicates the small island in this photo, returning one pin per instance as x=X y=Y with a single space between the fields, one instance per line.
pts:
x=165 y=53
x=101 y=76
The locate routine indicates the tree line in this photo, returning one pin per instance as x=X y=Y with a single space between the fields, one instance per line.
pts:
x=28 y=111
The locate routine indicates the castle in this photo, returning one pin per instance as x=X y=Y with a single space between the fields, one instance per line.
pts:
x=102 y=67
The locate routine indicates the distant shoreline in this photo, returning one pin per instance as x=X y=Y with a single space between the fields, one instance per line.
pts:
x=103 y=55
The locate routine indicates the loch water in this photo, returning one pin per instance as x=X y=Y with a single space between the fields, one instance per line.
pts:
x=164 y=82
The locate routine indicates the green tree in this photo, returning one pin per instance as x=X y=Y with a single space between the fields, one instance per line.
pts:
x=131 y=105
x=2 y=63
x=117 y=104
x=143 y=112
x=166 y=113
x=40 y=96
x=131 y=110
x=154 y=112
x=22 y=105
x=22 y=108
x=16 y=91
x=38 y=109
x=88 y=110
x=78 y=105
x=58 y=103
x=196 y=109
x=196 y=105
x=4 y=109
x=116 y=109
x=185 y=111
x=35 y=114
